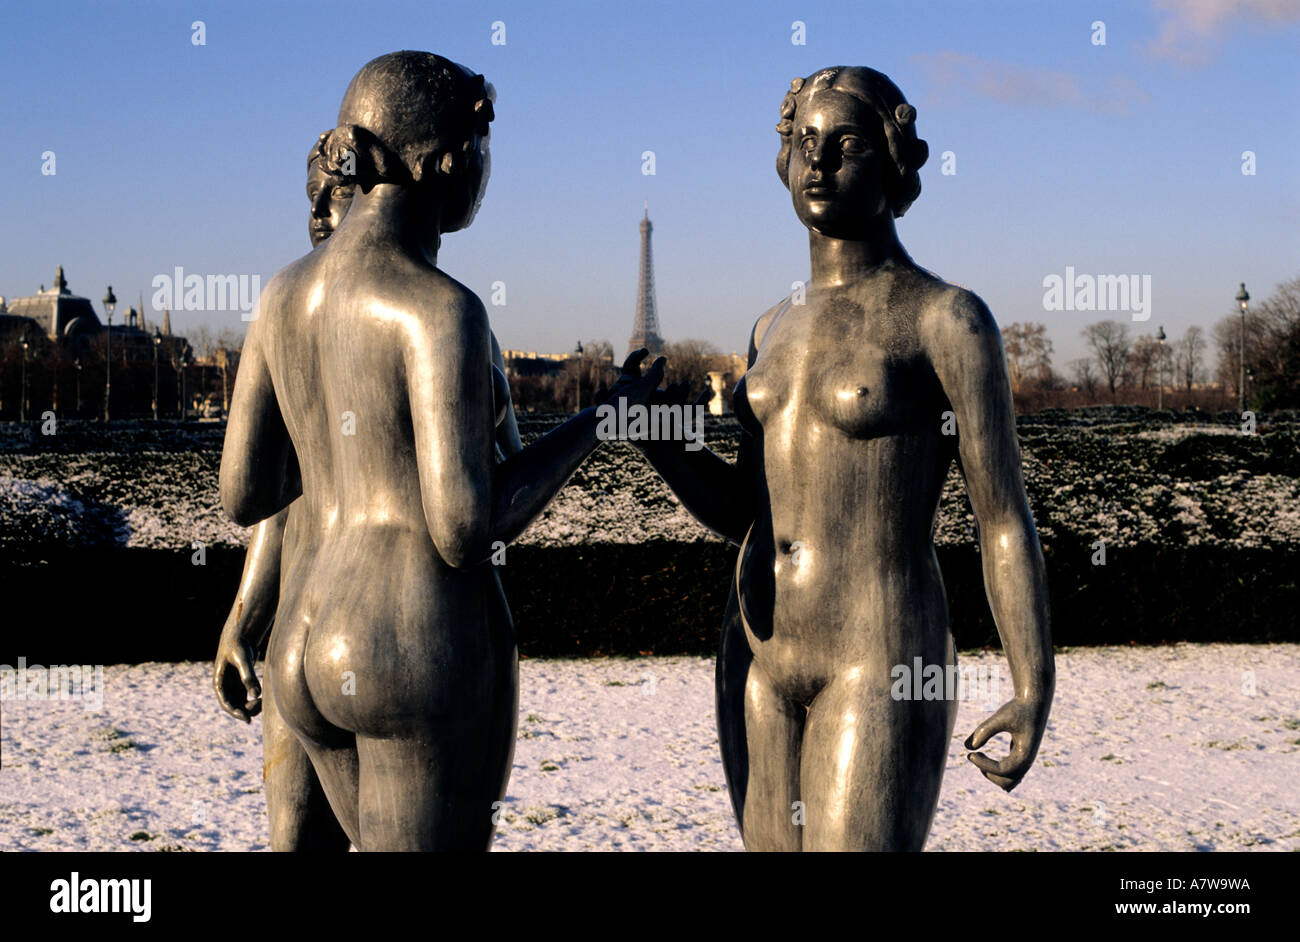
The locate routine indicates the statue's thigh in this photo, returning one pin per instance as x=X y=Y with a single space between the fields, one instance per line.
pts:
x=300 y=814
x=437 y=787
x=871 y=766
x=771 y=816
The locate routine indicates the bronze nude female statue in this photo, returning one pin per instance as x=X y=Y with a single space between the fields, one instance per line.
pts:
x=300 y=816
x=833 y=500
x=365 y=393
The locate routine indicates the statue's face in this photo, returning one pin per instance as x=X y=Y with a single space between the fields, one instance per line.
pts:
x=836 y=172
x=329 y=204
x=463 y=200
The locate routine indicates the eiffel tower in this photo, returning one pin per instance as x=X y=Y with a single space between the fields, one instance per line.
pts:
x=645 y=329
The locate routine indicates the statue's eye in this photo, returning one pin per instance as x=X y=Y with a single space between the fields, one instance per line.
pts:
x=852 y=144
x=342 y=193
x=806 y=145
x=311 y=195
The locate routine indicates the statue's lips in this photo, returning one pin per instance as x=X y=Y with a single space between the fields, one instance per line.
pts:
x=819 y=189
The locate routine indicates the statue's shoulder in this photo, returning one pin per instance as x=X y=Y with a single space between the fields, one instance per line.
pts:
x=433 y=294
x=949 y=310
x=765 y=321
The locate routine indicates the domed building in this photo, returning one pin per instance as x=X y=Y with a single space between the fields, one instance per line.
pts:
x=59 y=314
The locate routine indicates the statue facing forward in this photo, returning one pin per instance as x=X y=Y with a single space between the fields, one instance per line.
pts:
x=848 y=408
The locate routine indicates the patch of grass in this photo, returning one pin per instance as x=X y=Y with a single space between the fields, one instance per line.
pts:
x=41 y=832
x=1111 y=757
x=1228 y=746
x=539 y=816
x=141 y=836
x=1157 y=685
x=549 y=766
x=1291 y=724
x=613 y=683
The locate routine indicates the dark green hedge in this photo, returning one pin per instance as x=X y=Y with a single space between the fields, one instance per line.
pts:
x=116 y=605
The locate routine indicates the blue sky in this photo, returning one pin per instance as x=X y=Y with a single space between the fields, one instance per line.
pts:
x=1115 y=159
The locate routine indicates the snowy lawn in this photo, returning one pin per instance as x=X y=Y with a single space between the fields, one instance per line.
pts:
x=1191 y=747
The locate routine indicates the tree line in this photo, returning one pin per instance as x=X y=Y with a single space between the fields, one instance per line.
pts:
x=1200 y=369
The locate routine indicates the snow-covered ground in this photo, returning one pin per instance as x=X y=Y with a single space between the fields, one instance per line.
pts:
x=1191 y=747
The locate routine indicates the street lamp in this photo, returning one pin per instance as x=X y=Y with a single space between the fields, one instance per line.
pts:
x=77 y=364
x=578 y=351
x=1242 y=298
x=22 y=399
x=110 y=302
x=157 y=342
x=182 y=360
x=1160 y=369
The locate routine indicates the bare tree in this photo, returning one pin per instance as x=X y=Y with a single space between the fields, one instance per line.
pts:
x=1110 y=347
x=1144 y=360
x=1189 y=353
x=1084 y=377
x=690 y=360
x=1029 y=353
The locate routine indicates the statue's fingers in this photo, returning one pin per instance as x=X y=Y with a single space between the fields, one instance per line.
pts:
x=987 y=730
x=632 y=365
x=249 y=677
x=1002 y=767
x=657 y=370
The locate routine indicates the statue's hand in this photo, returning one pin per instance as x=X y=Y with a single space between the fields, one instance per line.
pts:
x=235 y=681
x=1025 y=720
x=632 y=385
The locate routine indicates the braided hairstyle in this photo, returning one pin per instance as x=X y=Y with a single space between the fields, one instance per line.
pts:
x=897 y=130
x=406 y=118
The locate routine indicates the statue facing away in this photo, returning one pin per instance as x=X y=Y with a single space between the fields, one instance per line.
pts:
x=366 y=390
x=299 y=813
x=833 y=500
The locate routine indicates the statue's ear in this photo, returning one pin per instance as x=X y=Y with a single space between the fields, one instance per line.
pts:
x=356 y=155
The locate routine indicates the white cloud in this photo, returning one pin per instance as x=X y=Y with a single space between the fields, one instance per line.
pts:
x=1193 y=31
x=954 y=76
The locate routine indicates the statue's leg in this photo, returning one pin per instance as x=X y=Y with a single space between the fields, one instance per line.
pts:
x=759 y=731
x=439 y=788
x=335 y=765
x=872 y=765
x=301 y=818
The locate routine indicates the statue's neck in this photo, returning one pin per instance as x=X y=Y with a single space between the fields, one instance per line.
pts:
x=837 y=262
x=406 y=216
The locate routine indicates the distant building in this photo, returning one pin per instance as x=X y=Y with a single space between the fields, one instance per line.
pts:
x=70 y=321
x=58 y=313
x=532 y=363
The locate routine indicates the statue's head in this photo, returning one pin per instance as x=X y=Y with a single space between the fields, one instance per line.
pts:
x=849 y=150
x=417 y=120
x=330 y=197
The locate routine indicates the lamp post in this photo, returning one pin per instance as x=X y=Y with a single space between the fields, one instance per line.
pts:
x=77 y=364
x=110 y=302
x=578 y=351
x=180 y=361
x=22 y=398
x=1160 y=370
x=157 y=342
x=1242 y=298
